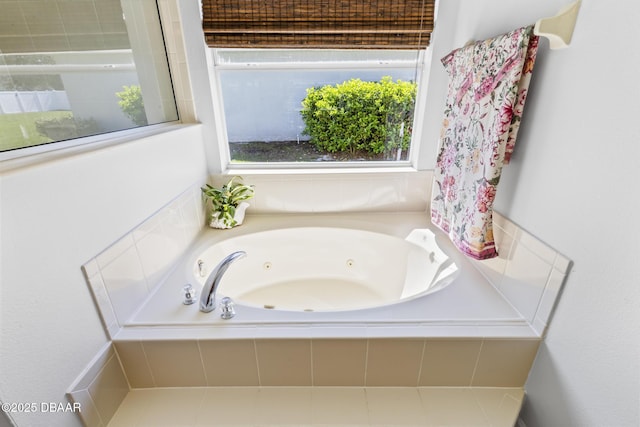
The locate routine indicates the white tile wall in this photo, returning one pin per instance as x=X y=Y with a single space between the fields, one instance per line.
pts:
x=123 y=275
x=527 y=272
x=335 y=191
x=124 y=281
x=101 y=297
x=561 y=267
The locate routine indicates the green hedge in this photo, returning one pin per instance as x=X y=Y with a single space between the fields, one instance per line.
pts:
x=132 y=105
x=67 y=127
x=355 y=115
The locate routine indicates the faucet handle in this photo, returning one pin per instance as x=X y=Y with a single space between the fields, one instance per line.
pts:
x=227 y=308
x=190 y=294
x=202 y=269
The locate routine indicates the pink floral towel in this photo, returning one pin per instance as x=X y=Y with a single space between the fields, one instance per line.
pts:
x=488 y=84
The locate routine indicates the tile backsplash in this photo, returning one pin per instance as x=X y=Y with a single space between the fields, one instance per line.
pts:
x=335 y=191
x=123 y=275
x=528 y=273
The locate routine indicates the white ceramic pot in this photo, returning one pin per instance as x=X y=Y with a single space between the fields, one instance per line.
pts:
x=238 y=217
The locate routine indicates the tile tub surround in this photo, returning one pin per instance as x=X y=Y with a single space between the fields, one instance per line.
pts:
x=100 y=389
x=464 y=362
x=441 y=379
x=470 y=307
x=354 y=357
x=527 y=276
x=320 y=406
x=528 y=273
x=123 y=275
x=483 y=302
x=334 y=190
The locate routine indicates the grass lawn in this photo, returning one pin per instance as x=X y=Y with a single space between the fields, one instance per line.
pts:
x=293 y=151
x=19 y=130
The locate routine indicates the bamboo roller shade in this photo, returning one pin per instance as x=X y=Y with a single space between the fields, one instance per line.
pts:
x=318 y=24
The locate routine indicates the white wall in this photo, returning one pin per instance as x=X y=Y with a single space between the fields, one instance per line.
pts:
x=572 y=183
x=54 y=217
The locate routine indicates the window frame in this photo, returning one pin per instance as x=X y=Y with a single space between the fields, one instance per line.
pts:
x=34 y=154
x=422 y=66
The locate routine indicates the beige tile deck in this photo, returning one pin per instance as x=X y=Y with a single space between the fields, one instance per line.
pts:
x=320 y=406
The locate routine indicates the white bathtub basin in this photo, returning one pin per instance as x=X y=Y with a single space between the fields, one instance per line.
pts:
x=326 y=268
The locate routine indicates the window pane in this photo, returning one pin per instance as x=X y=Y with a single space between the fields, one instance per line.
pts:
x=263 y=104
x=247 y=56
x=73 y=68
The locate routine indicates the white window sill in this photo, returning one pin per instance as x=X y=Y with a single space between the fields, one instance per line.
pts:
x=24 y=157
x=337 y=168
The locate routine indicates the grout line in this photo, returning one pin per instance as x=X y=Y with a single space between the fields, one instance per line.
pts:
x=204 y=368
x=483 y=410
x=475 y=367
x=367 y=403
x=544 y=291
x=93 y=402
x=124 y=371
x=142 y=269
x=109 y=299
x=146 y=361
x=311 y=361
x=255 y=352
x=424 y=348
x=366 y=363
x=93 y=380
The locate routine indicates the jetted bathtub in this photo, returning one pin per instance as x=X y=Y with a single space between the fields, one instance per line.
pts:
x=384 y=275
x=323 y=268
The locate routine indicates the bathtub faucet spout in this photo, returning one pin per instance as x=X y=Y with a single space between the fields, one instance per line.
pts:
x=208 y=297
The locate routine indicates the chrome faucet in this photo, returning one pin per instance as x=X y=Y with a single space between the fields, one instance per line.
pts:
x=208 y=297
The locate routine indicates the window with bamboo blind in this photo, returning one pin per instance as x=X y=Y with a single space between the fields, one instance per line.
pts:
x=318 y=24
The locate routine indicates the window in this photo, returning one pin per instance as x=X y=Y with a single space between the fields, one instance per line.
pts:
x=75 y=68
x=265 y=93
x=317 y=80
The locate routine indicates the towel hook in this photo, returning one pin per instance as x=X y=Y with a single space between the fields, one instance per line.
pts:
x=559 y=28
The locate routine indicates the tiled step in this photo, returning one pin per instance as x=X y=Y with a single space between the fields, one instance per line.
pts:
x=320 y=406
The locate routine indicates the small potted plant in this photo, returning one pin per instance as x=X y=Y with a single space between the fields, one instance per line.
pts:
x=227 y=204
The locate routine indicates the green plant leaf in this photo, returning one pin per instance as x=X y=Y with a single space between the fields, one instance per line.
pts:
x=356 y=115
x=222 y=201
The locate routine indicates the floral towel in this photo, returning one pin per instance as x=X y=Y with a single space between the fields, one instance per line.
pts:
x=488 y=84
